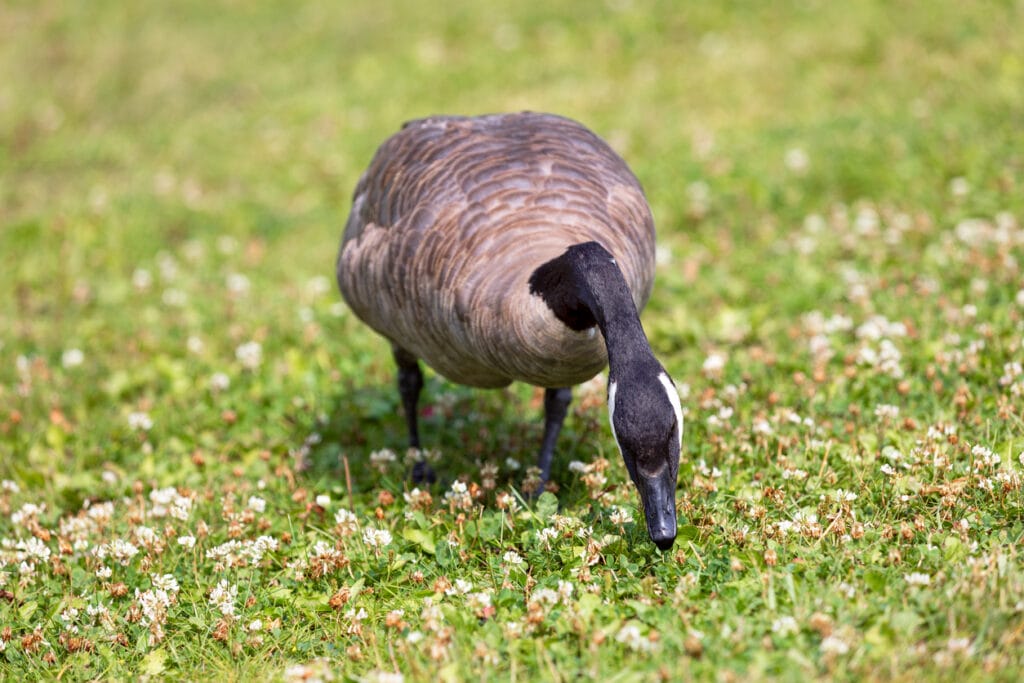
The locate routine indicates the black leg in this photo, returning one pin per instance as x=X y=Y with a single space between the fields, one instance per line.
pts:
x=410 y=383
x=556 y=406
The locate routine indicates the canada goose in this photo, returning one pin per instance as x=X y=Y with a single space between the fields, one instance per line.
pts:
x=493 y=248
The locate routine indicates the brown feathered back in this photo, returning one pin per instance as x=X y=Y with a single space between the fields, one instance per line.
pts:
x=453 y=216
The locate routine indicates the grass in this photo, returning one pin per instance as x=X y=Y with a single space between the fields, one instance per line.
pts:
x=193 y=429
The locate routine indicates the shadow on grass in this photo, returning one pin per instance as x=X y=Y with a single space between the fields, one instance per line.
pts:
x=469 y=427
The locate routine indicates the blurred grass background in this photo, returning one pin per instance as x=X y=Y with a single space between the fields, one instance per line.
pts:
x=266 y=112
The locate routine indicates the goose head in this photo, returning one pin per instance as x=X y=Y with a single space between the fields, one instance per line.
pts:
x=647 y=423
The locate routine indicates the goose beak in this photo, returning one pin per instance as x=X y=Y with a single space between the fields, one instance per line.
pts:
x=658 y=494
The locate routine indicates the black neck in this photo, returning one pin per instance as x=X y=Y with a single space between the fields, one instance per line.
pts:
x=584 y=287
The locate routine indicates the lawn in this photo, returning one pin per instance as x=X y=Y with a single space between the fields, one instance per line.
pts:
x=202 y=450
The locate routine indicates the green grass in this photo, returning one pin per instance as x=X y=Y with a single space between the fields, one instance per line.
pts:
x=839 y=191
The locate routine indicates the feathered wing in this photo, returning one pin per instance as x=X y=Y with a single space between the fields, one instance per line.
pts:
x=452 y=217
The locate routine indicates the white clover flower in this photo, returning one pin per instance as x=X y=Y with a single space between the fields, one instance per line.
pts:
x=120 y=550
x=140 y=421
x=458 y=496
x=219 y=381
x=323 y=500
x=621 y=515
x=104 y=572
x=237 y=283
x=101 y=513
x=838 y=323
x=1011 y=371
x=382 y=459
x=662 y=257
x=889 y=359
x=318 y=285
x=917 y=579
x=699 y=194
x=959 y=187
x=784 y=526
x=833 y=645
x=263 y=545
x=72 y=358
x=785 y=625
x=227 y=244
x=865 y=224
x=984 y=458
x=234 y=551
x=27 y=513
x=167 y=502
x=223 y=597
x=35 y=549
x=960 y=645
x=98 y=610
x=714 y=364
x=630 y=636
x=255 y=625
x=256 y=504
x=417 y=498
x=546 y=535
x=478 y=601
x=346 y=521
x=378 y=676
x=146 y=535
x=884 y=411
x=168 y=265
x=797 y=161
x=142 y=279
x=353 y=615
x=187 y=542
x=460 y=587
x=165 y=582
x=512 y=558
x=250 y=355
x=194 y=345
x=376 y=538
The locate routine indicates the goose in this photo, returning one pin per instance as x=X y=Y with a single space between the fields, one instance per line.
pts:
x=517 y=247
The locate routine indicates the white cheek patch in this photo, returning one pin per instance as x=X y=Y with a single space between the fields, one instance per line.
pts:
x=611 y=412
x=673 y=398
